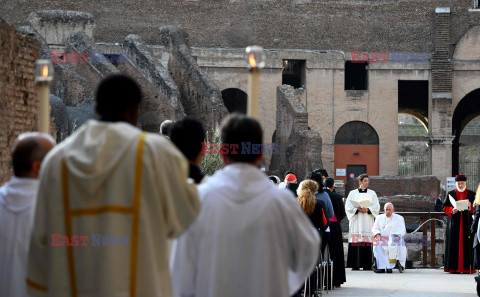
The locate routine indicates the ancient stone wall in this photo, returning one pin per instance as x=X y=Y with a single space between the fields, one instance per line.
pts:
x=299 y=149
x=407 y=193
x=382 y=25
x=18 y=95
x=160 y=91
x=200 y=97
x=57 y=25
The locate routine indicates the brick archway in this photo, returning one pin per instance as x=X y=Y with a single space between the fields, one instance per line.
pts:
x=356 y=150
x=467 y=110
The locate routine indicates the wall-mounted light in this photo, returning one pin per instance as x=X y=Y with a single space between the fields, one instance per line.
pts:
x=356 y=153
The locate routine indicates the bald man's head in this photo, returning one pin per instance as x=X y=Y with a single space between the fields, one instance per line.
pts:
x=28 y=153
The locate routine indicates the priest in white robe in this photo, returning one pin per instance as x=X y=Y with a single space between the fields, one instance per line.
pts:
x=361 y=221
x=389 y=229
x=17 y=199
x=251 y=238
x=109 y=198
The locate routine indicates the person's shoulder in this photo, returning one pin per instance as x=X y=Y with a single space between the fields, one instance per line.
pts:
x=337 y=196
x=398 y=216
x=371 y=191
x=320 y=203
x=453 y=193
x=158 y=143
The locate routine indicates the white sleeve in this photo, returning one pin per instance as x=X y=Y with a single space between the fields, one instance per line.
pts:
x=375 y=208
x=350 y=210
x=183 y=265
x=179 y=197
x=376 y=227
x=401 y=230
x=37 y=272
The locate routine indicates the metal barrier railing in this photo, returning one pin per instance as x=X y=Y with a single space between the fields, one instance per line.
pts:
x=424 y=217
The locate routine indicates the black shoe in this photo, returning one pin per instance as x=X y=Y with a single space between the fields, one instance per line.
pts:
x=381 y=270
x=355 y=268
x=389 y=271
x=401 y=269
x=366 y=269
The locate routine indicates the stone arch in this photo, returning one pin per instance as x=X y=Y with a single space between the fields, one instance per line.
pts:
x=356 y=150
x=418 y=117
x=466 y=110
x=356 y=133
x=466 y=50
x=235 y=100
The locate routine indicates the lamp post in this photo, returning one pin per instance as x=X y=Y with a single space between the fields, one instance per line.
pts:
x=43 y=78
x=256 y=61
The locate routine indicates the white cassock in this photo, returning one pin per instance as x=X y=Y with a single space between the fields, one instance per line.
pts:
x=127 y=195
x=17 y=198
x=360 y=224
x=250 y=239
x=393 y=245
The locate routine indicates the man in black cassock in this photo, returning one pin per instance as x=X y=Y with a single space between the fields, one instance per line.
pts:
x=335 y=242
x=458 y=246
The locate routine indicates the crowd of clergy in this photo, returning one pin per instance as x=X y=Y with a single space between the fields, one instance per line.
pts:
x=114 y=211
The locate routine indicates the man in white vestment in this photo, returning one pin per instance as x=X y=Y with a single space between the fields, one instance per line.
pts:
x=251 y=238
x=17 y=199
x=109 y=198
x=389 y=229
x=361 y=221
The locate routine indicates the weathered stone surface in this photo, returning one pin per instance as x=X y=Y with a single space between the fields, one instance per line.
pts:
x=407 y=193
x=57 y=25
x=78 y=115
x=299 y=149
x=18 y=93
x=161 y=100
x=330 y=24
x=83 y=77
x=200 y=97
x=59 y=84
x=60 y=117
x=390 y=185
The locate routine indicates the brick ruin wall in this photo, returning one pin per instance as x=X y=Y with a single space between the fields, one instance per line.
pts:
x=18 y=95
x=382 y=25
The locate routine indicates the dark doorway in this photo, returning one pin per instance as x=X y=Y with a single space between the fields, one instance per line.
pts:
x=235 y=100
x=294 y=73
x=353 y=171
x=413 y=99
x=356 y=76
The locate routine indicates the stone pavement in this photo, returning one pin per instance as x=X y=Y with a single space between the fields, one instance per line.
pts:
x=414 y=282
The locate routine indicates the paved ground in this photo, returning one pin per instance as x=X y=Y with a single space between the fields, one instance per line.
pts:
x=414 y=282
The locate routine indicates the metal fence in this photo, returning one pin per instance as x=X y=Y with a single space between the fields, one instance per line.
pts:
x=471 y=168
x=413 y=165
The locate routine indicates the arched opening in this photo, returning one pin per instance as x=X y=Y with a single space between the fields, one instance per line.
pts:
x=356 y=150
x=413 y=99
x=412 y=146
x=466 y=145
x=235 y=100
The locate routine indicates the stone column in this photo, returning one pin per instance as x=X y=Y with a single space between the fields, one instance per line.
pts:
x=440 y=99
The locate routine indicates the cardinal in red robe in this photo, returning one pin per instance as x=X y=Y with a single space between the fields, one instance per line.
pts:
x=458 y=245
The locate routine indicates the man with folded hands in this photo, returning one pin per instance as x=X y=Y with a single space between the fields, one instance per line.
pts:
x=389 y=228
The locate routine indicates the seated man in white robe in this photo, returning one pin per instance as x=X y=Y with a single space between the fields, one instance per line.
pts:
x=17 y=199
x=389 y=229
x=251 y=238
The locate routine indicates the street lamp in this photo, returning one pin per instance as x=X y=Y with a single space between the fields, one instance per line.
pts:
x=256 y=61
x=43 y=78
